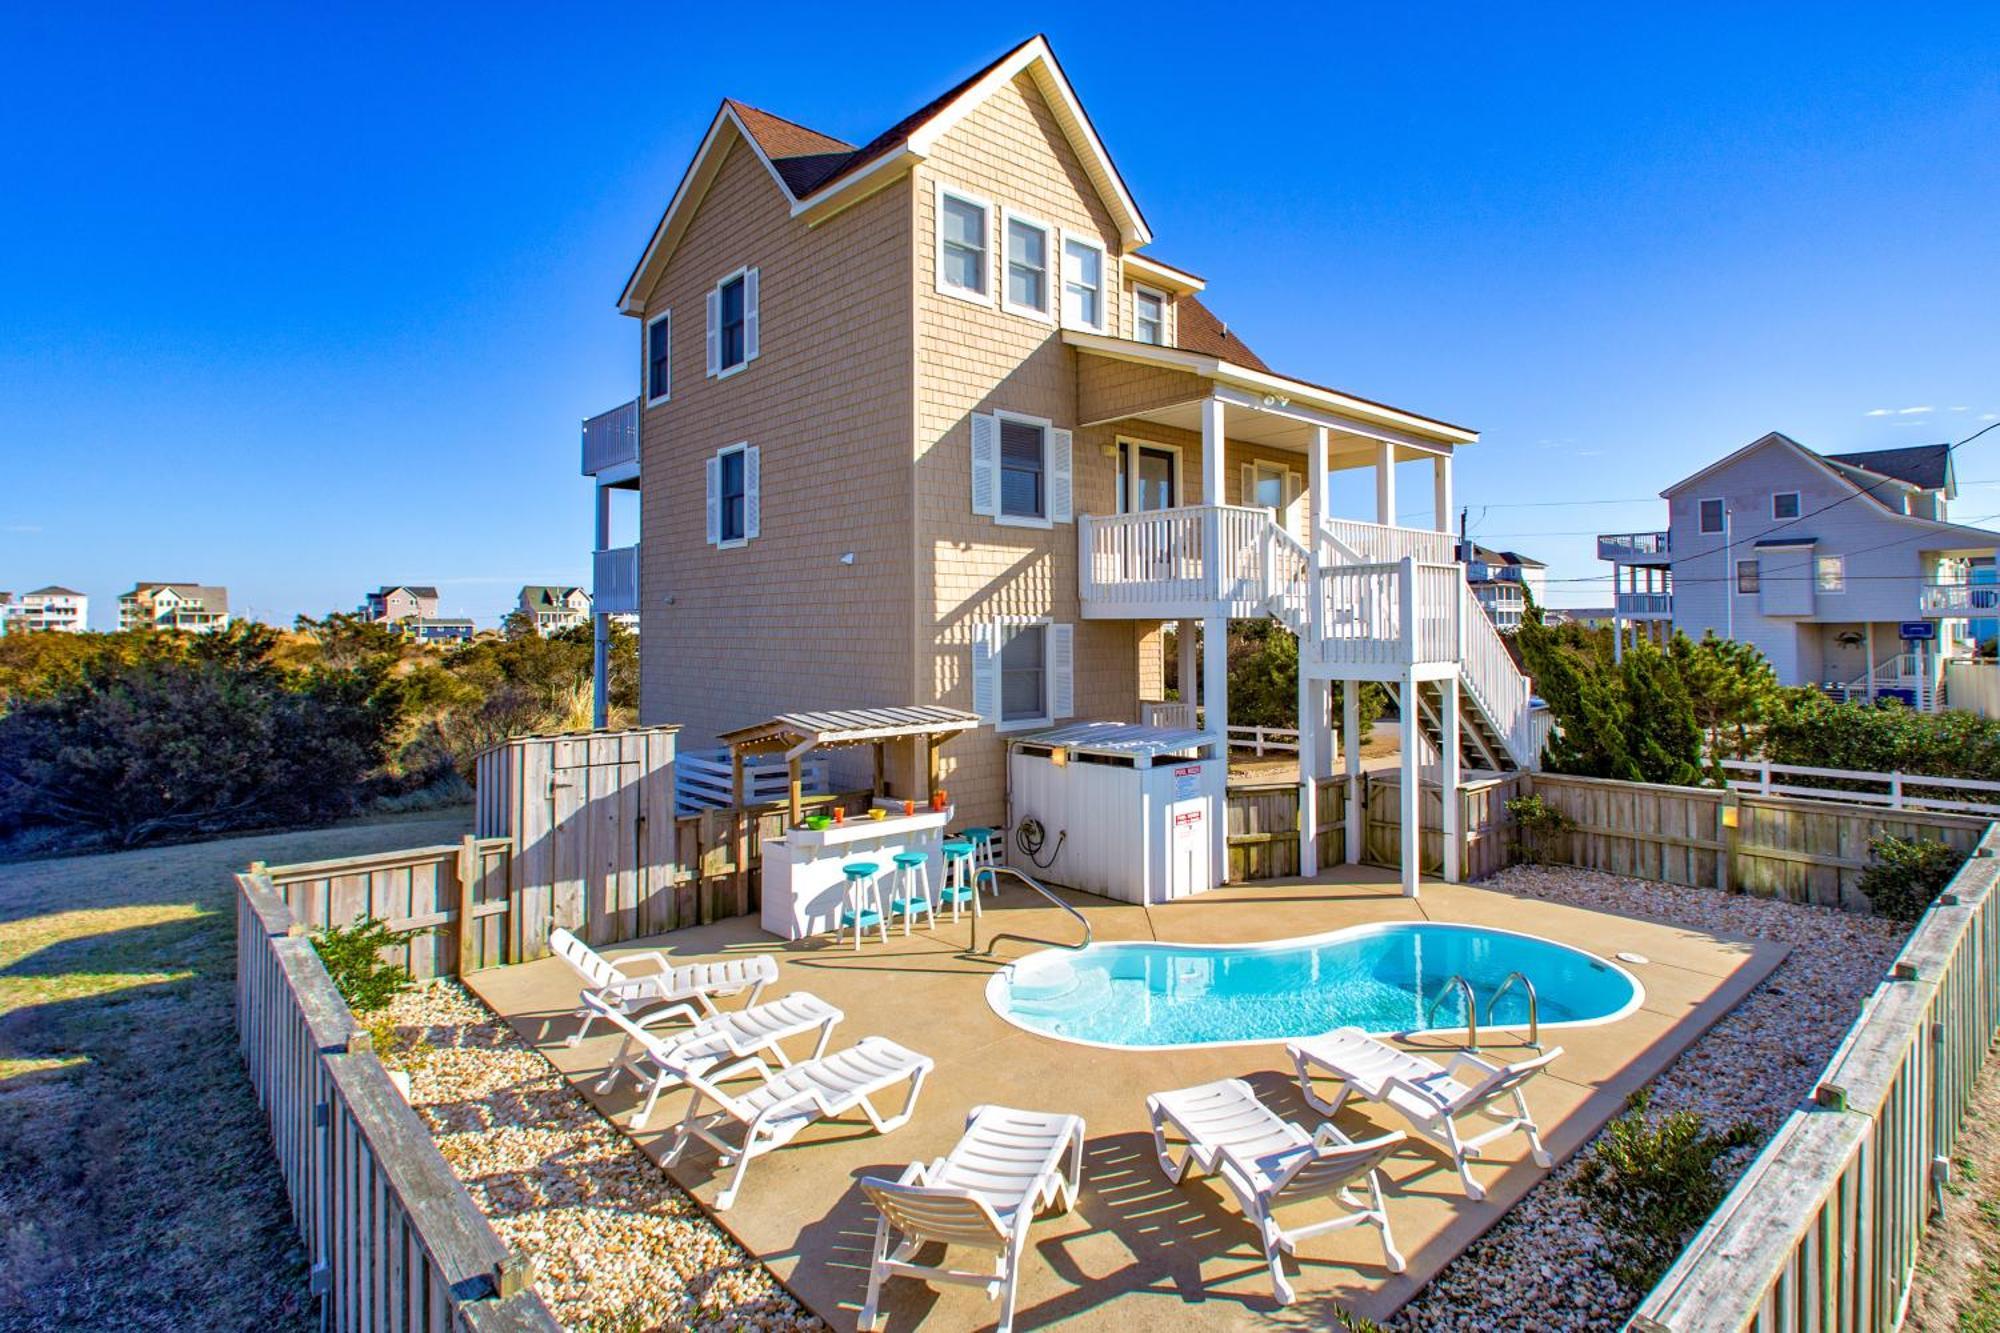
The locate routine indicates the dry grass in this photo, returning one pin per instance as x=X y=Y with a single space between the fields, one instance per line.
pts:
x=1957 y=1285
x=137 y=1188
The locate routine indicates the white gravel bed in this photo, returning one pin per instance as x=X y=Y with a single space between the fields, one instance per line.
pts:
x=1544 y=1265
x=614 y=1242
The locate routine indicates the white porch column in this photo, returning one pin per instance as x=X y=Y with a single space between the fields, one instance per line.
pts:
x=1385 y=483
x=1189 y=674
x=600 y=667
x=1319 y=492
x=1350 y=750
x=1214 y=467
x=1441 y=493
x=1869 y=630
x=1312 y=706
x=1215 y=702
x=1448 y=777
x=1411 y=785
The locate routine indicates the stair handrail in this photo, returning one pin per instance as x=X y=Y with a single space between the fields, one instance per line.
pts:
x=1534 y=1007
x=1495 y=683
x=1038 y=887
x=1464 y=988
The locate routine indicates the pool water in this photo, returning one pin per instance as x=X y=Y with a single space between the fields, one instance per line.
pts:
x=1379 y=978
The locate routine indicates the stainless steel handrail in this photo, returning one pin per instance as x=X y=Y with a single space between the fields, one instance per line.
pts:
x=1534 y=1007
x=1038 y=887
x=1471 y=1009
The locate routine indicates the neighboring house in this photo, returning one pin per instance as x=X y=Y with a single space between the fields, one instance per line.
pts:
x=919 y=423
x=430 y=629
x=1503 y=581
x=554 y=608
x=1842 y=569
x=403 y=601
x=62 y=609
x=1590 y=617
x=196 y=607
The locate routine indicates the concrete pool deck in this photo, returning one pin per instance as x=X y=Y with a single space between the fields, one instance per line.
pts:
x=1137 y=1251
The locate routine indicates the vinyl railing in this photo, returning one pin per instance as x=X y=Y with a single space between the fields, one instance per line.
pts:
x=615 y=580
x=1488 y=673
x=1645 y=603
x=1612 y=546
x=1198 y=560
x=1958 y=599
x=611 y=438
x=1897 y=791
x=1383 y=544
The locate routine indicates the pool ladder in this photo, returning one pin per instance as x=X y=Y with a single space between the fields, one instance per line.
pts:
x=1458 y=984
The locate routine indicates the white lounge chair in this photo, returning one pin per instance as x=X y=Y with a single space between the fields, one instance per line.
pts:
x=1432 y=1097
x=666 y=992
x=720 y=1046
x=1007 y=1167
x=1268 y=1162
x=771 y=1114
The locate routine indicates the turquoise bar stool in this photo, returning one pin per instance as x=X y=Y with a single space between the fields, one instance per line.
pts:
x=985 y=852
x=958 y=854
x=911 y=892
x=864 y=901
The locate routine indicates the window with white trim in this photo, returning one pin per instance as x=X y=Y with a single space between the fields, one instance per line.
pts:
x=733 y=323
x=1710 y=516
x=735 y=502
x=1023 y=672
x=964 y=222
x=1020 y=469
x=1026 y=285
x=1747 y=576
x=659 y=358
x=1830 y=573
x=1149 y=316
x=1785 y=504
x=1083 y=267
x=1024 y=675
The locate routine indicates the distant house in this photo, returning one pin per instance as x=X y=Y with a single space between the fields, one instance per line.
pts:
x=198 y=608
x=1503 y=581
x=403 y=601
x=1842 y=569
x=554 y=608
x=64 y=610
x=430 y=629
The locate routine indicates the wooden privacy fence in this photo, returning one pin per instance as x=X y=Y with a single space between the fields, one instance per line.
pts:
x=1264 y=826
x=1822 y=1231
x=395 y=1241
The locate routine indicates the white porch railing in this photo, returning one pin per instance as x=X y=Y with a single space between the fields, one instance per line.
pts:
x=1382 y=544
x=1630 y=545
x=1197 y=561
x=1950 y=600
x=1645 y=605
x=614 y=588
x=1177 y=713
x=611 y=439
x=1488 y=673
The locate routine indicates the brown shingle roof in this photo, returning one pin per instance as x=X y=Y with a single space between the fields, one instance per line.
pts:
x=1198 y=330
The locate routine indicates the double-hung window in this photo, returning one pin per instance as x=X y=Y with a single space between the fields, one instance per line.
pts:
x=1024 y=675
x=1026 y=285
x=1830 y=573
x=1083 y=284
x=1020 y=469
x=733 y=323
x=1747 y=576
x=964 y=223
x=1149 y=316
x=1023 y=469
x=659 y=353
x=735 y=502
x=1710 y=516
x=1023 y=672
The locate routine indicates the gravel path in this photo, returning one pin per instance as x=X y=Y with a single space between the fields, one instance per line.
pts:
x=615 y=1243
x=1543 y=1267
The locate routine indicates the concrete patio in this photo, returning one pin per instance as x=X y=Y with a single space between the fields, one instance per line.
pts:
x=1136 y=1251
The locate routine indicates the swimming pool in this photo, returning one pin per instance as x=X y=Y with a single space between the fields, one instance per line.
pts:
x=1146 y=995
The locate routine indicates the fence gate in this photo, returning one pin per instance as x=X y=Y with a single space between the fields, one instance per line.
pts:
x=592 y=818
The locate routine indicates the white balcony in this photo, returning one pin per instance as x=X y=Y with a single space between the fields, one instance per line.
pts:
x=1381 y=544
x=611 y=444
x=615 y=581
x=1953 y=601
x=1646 y=605
x=1634 y=548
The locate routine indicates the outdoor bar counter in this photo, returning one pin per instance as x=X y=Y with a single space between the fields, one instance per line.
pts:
x=804 y=884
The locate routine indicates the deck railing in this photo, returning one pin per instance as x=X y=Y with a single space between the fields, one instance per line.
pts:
x=1488 y=673
x=611 y=439
x=1823 y=1230
x=615 y=580
x=1958 y=599
x=1625 y=545
x=1199 y=560
x=1647 y=604
x=1384 y=544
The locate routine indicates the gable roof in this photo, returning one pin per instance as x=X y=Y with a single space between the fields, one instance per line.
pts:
x=1766 y=440
x=1923 y=465
x=547 y=594
x=414 y=589
x=819 y=174
x=1196 y=329
x=53 y=590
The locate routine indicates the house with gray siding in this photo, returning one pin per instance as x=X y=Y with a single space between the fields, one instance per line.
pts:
x=1843 y=569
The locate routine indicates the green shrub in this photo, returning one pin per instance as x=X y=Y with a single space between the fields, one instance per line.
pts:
x=1538 y=828
x=353 y=958
x=1650 y=1185
x=1906 y=876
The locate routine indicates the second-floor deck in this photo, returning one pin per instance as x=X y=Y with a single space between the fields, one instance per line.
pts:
x=611 y=444
x=1635 y=548
x=1952 y=601
x=1645 y=605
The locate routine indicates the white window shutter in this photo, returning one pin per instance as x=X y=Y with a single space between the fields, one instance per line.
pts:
x=753 y=486
x=1062 y=671
x=1293 y=519
x=985 y=464
x=750 y=320
x=714 y=332
x=1059 y=476
x=986 y=672
x=713 y=467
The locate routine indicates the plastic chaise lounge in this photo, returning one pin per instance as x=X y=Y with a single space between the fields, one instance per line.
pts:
x=1268 y=1163
x=666 y=992
x=1007 y=1167
x=720 y=1047
x=751 y=1122
x=1432 y=1097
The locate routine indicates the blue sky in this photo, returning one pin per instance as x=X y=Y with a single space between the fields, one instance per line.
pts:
x=314 y=301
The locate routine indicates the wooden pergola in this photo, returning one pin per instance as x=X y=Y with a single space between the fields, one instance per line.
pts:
x=795 y=735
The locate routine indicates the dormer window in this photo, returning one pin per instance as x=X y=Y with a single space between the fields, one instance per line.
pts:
x=1149 y=316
